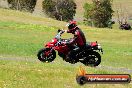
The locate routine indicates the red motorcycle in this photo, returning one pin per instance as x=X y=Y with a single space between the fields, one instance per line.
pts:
x=70 y=53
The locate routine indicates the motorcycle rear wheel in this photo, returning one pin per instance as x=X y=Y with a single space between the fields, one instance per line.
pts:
x=92 y=58
x=44 y=55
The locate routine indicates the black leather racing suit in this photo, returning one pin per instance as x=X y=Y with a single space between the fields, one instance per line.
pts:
x=78 y=39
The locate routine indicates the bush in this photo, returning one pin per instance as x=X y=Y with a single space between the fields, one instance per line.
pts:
x=26 y=5
x=61 y=9
x=48 y=7
x=99 y=13
x=88 y=8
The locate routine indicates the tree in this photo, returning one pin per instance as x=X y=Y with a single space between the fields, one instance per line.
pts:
x=101 y=12
x=48 y=7
x=88 y=14
x=26 y=5
x=60 y=9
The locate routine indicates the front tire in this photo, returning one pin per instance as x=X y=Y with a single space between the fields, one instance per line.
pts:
x=45 y=55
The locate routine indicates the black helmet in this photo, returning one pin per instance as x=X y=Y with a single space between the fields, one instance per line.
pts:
x=71 y=25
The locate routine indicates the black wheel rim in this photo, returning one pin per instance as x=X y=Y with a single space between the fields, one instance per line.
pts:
x=46 y=58
x=91 y=60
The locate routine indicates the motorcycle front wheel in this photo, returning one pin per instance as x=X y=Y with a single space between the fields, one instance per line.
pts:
x=92 y=58
x=46 y=55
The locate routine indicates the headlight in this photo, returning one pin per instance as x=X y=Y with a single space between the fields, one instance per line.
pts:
x=53 y=40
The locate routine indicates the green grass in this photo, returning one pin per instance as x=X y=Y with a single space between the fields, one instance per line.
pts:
x=26 y=39
x=38 y=75
x=25 y=17
x=20 y=39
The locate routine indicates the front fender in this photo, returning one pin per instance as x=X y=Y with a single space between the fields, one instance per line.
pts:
x=49 y=45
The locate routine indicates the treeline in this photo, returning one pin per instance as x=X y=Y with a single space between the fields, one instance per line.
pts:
x=63 y=10
x=98 y=14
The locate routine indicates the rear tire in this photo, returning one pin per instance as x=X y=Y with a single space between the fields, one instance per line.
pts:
x=42 y=56
x=92 y=58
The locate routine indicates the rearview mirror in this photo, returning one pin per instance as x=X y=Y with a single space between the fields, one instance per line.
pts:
x=59 y=30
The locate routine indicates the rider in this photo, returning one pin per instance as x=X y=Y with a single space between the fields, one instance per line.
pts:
x=79 y=38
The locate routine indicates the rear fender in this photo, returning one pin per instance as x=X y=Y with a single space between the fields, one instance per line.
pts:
x=94 y=46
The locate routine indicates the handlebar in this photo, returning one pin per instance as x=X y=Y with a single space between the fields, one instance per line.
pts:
x=58 y=37
x=60 y=32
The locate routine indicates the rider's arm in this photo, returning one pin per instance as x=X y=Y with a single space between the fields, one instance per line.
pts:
x=73 y=40
x=66 y=31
